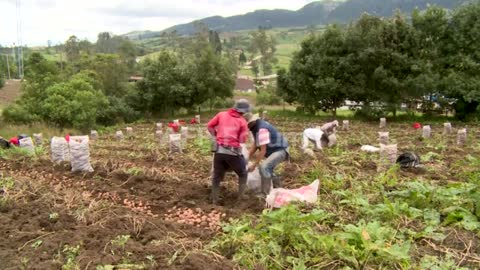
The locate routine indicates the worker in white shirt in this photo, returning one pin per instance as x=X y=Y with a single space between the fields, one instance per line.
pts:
x=319 y=138
x=315 y=136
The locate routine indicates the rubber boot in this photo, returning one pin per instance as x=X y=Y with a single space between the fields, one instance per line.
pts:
x=277 y=181
x=215 y=194
x=241 y=190
x=242 y=186
x=266 y=185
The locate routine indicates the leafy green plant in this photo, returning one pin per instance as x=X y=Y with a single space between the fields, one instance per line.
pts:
x=36 y=244
x=151 y=261
x=203 y=144
x=14 y=153
x=71 y=254
x=121 y=241
x=276 y=238
x=53 y=216
x=6 y=182
x=371 y=243
x=135 y=171
x=436 y=263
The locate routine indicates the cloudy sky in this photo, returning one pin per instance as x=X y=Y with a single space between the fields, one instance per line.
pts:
x=56 y=20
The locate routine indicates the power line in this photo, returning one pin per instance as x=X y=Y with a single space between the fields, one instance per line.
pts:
x=19 y=40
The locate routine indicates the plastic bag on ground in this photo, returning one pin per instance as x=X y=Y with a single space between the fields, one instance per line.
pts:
x=370 y=149
x=279 y=197
x=254 y=181
x=80 y=154
x=27 y=144
x=60 y=151
x=38 y=138
x=345 y=125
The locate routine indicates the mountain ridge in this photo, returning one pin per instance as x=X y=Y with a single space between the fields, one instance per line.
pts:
x=314 y=13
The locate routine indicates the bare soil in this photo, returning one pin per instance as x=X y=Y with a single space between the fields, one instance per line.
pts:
x=49 y=207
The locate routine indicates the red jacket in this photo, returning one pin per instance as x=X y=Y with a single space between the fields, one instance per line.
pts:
x=14 y=141
x=175 y=127
x=230 y=128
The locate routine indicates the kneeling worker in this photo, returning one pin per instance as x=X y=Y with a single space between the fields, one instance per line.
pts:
x=272 y=147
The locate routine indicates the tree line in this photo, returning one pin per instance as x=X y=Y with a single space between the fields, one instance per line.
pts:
x=91 y=87
x=382 y=63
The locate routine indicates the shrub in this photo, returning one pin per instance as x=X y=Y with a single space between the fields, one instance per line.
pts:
x=268 y=97
x=19 y=114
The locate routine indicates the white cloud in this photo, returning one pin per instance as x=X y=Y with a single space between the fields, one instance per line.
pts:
x=56 y=20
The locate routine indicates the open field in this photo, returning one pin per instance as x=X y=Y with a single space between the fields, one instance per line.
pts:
x=9 y=92
x=51 y=218
x=288 y=39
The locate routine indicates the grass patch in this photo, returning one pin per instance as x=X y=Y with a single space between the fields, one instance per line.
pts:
x=10 y=130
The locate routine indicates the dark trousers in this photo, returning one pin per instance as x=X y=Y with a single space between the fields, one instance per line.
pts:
x=223 y=163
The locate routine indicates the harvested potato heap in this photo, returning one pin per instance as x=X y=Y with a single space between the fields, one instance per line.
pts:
x=197 y=217
x=139 y=206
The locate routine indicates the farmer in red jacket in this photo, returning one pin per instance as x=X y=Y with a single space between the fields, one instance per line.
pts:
x=230 y=130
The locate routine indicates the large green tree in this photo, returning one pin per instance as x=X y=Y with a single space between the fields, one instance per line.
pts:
x=316 y=79
x=176 y=81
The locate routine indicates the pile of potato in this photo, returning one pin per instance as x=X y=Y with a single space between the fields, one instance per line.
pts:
x=108 y=196
x=197 y=217
x=139 y=207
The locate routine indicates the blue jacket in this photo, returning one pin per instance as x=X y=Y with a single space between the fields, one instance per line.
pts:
x=277 y=141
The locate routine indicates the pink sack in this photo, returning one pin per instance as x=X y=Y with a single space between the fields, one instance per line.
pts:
x=280 y=197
